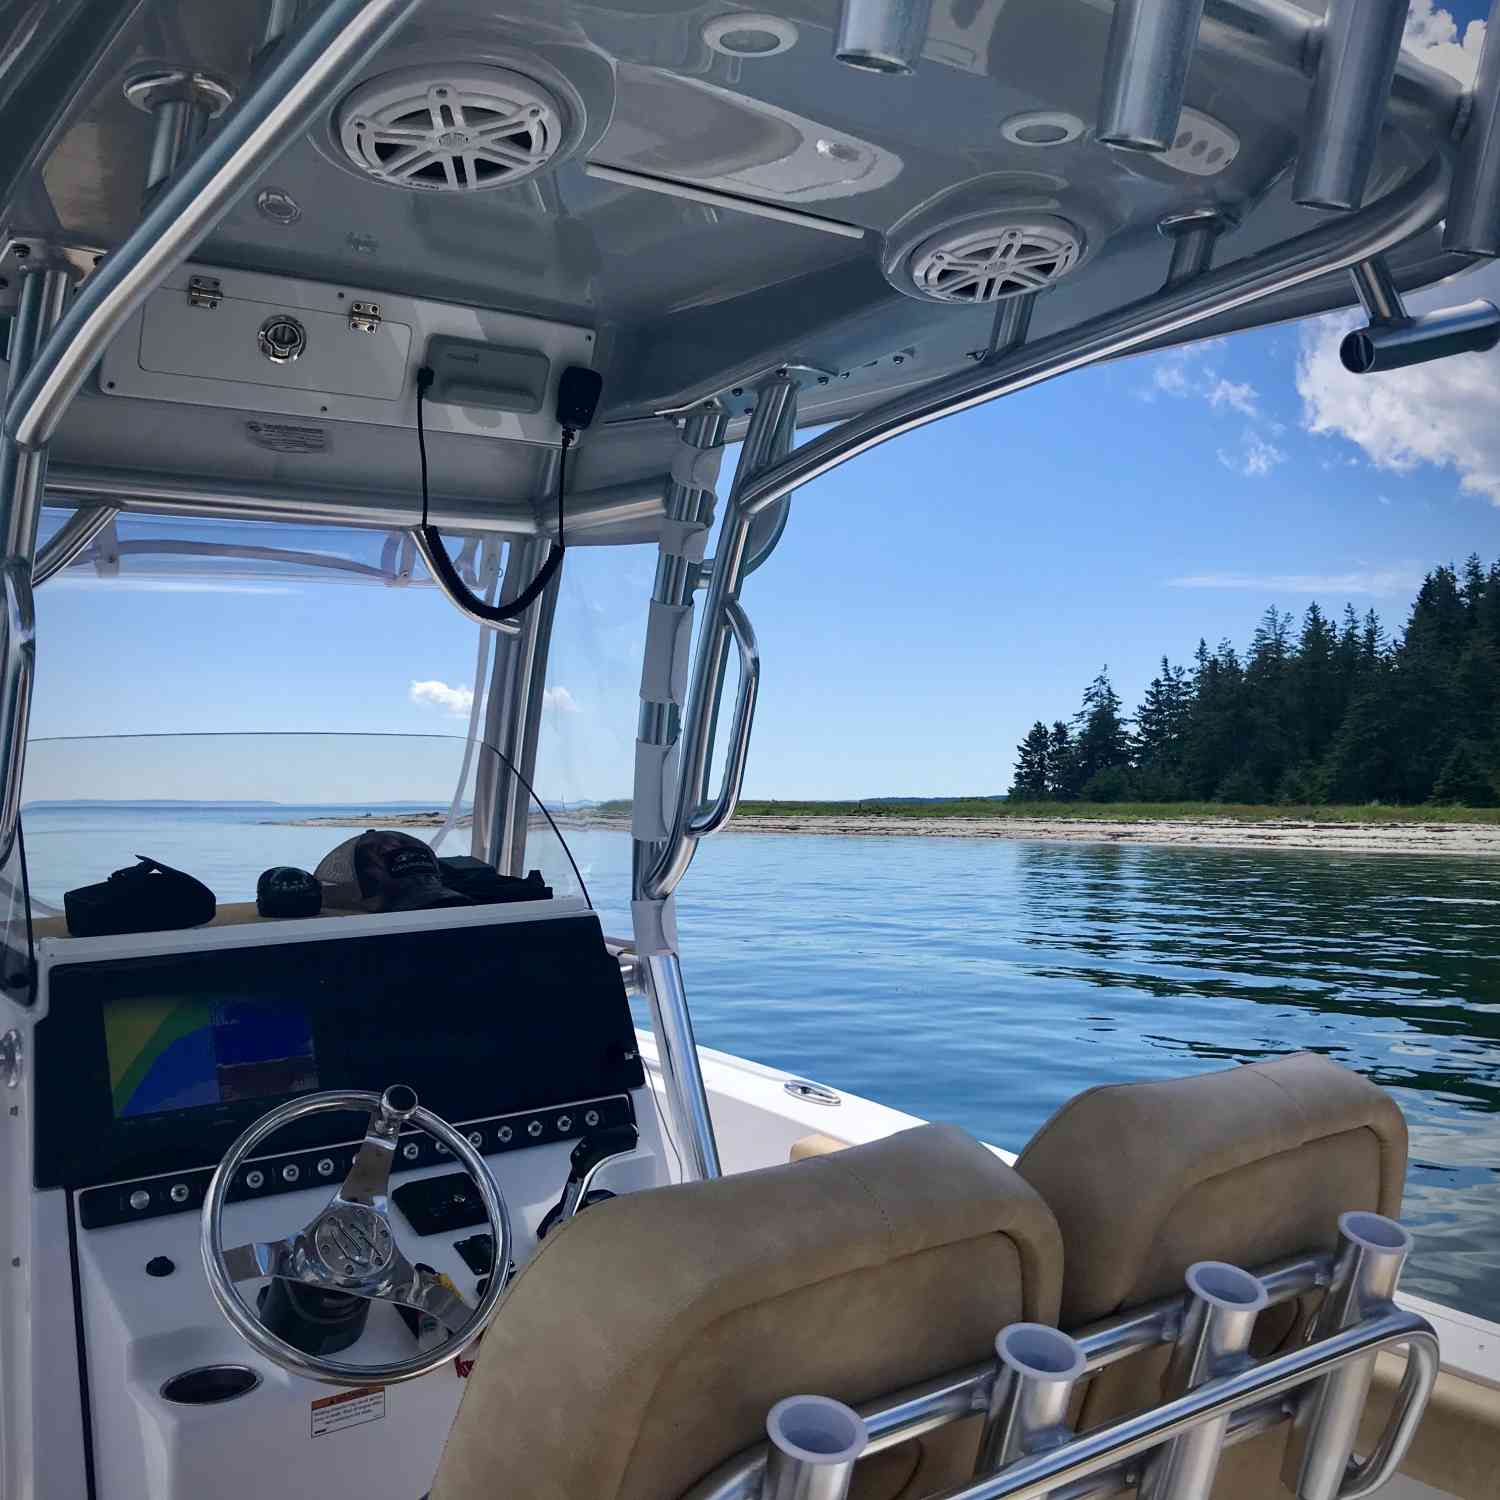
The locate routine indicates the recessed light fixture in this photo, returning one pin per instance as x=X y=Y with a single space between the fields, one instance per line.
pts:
x=1042 y=127
x=750 y=35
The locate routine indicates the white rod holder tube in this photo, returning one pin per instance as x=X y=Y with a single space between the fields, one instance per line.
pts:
x=1361 y=40
x=1145 y=72
x=882 y=36
x=1036 y=1369
x=1223 y=1303
x=1473 y=221
x=814 y=1444
x=1372 y=1251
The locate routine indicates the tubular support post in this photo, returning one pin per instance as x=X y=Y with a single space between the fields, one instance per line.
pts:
x=70 y=540
x=1145 y=72
x=1223 y=1302
x=682 y=1074
x=304 y=78
x=772 y=403
x=1473 y=222
x=701 y=824
x=1372 y=1251
x=1409 y=209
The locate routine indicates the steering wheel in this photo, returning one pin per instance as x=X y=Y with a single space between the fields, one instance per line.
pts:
x=350 y=1246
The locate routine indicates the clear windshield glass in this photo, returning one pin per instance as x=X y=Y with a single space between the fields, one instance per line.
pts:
x=226 y=807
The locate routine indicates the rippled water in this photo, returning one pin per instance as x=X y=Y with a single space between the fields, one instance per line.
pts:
x=985 y=982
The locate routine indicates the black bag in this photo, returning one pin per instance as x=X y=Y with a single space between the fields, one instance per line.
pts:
x=145 y=897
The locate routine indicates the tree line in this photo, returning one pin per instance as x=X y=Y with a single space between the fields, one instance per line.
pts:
x=1325 y=712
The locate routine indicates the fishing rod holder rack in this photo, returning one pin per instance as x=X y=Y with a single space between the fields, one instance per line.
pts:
x=1217 y=1394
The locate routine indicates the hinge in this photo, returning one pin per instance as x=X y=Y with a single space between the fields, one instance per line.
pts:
x=364 y=317
x=205 y=291
x=11 y=1055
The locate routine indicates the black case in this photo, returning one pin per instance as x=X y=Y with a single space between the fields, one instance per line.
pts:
x=144 y=897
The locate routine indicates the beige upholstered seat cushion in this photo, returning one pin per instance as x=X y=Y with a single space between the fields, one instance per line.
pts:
x=1248 y=1165
x=645 y=1342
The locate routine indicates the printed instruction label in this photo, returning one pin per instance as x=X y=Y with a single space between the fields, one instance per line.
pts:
x=347 y=1409
x=287 y=437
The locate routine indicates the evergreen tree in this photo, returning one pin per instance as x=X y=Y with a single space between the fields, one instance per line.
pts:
x=1060 y=779
x=1101 y=741
x=1032 y=782
x=1464 y=778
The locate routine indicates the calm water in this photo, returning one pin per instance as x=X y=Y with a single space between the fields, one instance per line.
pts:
x=985 y=982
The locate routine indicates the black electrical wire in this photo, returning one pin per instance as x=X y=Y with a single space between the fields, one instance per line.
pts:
x=531 y=792
x=494 y=614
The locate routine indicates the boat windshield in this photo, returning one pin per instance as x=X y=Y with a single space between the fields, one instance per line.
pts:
x=226 y=807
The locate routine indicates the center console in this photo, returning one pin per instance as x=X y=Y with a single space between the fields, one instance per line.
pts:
x=154 y=1052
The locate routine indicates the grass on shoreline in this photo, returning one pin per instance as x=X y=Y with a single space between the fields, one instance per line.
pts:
x=1102 y=812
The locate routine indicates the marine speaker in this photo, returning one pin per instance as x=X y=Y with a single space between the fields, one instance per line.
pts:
x=978 y=261
x=458 y=129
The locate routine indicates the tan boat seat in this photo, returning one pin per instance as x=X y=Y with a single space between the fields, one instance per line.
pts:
x=646 y=1340
x=1248 y=1165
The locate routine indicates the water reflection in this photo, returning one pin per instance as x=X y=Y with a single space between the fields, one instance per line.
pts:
x=987 y=982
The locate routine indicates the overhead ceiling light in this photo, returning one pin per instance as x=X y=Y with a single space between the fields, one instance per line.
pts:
x=750 y=35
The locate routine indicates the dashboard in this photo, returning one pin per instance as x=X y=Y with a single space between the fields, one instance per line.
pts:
x=148 y=1067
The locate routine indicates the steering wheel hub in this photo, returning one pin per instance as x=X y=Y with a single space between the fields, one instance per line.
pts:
x=352 y=1240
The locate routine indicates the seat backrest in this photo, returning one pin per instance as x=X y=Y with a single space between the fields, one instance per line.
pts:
x=1248 y=1165
x=646 y=1340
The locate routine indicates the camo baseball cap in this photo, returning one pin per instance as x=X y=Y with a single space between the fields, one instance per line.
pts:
x=383 y=870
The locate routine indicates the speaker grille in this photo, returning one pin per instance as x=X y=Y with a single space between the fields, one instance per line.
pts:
x=990 y=262
x=454 y=130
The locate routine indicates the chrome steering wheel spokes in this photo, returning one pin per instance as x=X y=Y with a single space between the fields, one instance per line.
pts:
x=350 y=1246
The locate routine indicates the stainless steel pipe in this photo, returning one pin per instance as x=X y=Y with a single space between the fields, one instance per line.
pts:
x=69 y=540
x=1377 y=290
x=1473 y=221
x=814 y=1444
x=681 y=1072
x=1469 y=329
x=303 y=81
x=1223 y=1304
x=882 y=36
x=1372 y=1251
x=1360 y=41
x=1036 y=1369
x=1416 y=205
x=1145 y=72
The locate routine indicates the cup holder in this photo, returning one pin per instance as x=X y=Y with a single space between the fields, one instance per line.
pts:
x=209 y=1384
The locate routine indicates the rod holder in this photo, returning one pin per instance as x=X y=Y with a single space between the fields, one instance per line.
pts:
x=1194 y=236
x=814 y=1444
x=1145 y=72
x=1469 y=329
x=882 y=36
x=1372 y=1251
x=1223 y=1304
x=1361 y=40
x=1036 y=1368
x=1472 y=224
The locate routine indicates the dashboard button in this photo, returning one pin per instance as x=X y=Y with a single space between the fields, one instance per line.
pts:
x=140 y=1199
x=179 y=1192
x=291 y=1172
x=442 y=1150
x=255 y=1178
x=591 y=1118
x=411 y=1151
x=504 y=1134
x=565 y=1123
x=534 y=1129
x=325 y=1166
x=476 y=1138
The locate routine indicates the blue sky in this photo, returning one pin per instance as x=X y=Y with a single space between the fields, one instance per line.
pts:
x=928 y=601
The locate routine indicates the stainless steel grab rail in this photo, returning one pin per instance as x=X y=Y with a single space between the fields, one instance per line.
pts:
x=19 y=656
x=1407 y=210
x=701 y=824
x=273 y=117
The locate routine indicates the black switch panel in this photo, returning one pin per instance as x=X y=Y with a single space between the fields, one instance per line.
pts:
x=437 y=1204
x=478 y=1253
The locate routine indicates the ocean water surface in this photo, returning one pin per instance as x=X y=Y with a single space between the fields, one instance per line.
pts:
x=987 y=981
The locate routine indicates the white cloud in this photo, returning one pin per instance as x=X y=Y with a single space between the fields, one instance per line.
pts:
x=561 y=699
x=1236 y=394
x=456 y=700
x=1433 y=35
x=1382 y=581
x=1255 y=458
x=1446 y=413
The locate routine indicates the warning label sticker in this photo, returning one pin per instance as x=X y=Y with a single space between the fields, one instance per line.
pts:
x=347 y=1409
x=287 y=437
